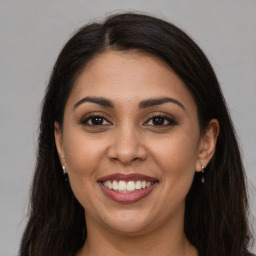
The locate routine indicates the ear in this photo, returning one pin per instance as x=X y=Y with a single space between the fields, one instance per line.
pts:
x=59 y=142
x=207 y=144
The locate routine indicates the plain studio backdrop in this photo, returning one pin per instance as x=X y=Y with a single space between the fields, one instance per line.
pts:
x=32 y=34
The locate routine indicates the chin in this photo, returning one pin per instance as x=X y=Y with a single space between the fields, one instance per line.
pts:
x=129 y=222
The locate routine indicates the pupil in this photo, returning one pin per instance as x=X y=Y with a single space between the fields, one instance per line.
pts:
x=97 y=120
x=158 y=120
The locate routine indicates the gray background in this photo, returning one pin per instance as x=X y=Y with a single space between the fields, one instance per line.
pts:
x=32 y=34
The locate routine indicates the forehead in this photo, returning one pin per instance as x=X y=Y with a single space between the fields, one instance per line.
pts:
x=129 y=76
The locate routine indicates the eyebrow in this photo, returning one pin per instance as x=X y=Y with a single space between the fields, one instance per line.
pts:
x=159 y=101
x=98 y=100
x=143 y=104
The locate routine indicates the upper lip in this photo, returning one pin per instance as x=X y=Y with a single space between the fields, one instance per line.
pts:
x=127 y=177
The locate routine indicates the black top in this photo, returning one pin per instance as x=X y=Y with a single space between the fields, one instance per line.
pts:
x=243 y=254
x=248 y=254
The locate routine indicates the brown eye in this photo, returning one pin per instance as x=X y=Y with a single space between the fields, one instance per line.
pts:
x=95 y=120
x=161 y=120
x=158 y=120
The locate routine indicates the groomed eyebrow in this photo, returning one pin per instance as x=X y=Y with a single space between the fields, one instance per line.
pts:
x=98 y=100
x=159 y=101
x=143 y=104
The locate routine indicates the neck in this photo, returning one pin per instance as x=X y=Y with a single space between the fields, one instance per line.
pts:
x=166 y=240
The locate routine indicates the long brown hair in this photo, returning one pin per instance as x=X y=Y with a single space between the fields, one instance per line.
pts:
x=216 y=212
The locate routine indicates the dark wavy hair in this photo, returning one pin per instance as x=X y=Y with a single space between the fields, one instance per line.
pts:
x=216 y=221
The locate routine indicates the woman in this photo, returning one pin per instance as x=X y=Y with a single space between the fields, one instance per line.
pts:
x=137 y=154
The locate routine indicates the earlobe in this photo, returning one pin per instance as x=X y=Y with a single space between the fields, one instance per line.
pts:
x=59 y=142
x=207 y=144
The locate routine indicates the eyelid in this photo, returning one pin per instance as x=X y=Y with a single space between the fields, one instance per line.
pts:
x=171 y=119
x=88 y=116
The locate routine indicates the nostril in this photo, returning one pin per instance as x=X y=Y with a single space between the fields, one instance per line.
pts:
x=127 y=155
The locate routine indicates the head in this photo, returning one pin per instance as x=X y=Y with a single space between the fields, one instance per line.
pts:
x=134 y=38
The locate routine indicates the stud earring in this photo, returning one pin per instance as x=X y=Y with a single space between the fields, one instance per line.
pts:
x=202 y=176
x=64 y=172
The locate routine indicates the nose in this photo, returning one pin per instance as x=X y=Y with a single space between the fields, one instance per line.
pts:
x=127 y=147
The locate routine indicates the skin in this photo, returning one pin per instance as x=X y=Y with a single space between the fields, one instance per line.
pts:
x=129 y=141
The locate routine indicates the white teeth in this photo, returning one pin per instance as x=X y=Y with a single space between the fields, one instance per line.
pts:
x=138 y=184
x=115 y=185
x=130 y=186
x=126 y=187
x=121 y=185
x=109 y=184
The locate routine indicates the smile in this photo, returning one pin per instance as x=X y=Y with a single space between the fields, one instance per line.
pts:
x=127 y=188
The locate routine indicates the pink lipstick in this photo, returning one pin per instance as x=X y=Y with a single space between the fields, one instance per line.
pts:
x=127 y=187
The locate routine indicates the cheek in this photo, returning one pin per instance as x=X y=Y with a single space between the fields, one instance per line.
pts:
x=82 y=153
x=176 y=158
x=178 y=151
x=82 y=157
x=177 y=163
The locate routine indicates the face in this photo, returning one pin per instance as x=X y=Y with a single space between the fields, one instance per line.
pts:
x=131 y=143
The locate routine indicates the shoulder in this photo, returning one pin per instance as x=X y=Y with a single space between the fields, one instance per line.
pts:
x=248 y=254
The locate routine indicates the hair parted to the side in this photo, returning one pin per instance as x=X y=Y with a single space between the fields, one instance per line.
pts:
x=216 y=211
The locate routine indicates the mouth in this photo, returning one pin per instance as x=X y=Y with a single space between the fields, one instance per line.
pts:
x=127 y=188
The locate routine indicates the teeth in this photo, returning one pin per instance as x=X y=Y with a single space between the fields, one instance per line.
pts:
x=115 y=185
x=138 y=184
x=109 y=184
x=121 y=185
x=126 y=187
x=130 y=186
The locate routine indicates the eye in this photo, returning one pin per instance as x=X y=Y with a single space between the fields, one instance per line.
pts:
x=95 y=120
x=161 y=120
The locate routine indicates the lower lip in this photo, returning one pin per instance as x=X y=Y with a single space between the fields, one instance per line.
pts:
x=127 y=197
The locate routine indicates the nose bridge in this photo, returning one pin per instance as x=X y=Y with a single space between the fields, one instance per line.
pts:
x=127 y=144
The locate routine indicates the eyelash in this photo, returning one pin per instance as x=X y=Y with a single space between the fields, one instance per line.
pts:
x=89 y=117
x=171 y=120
